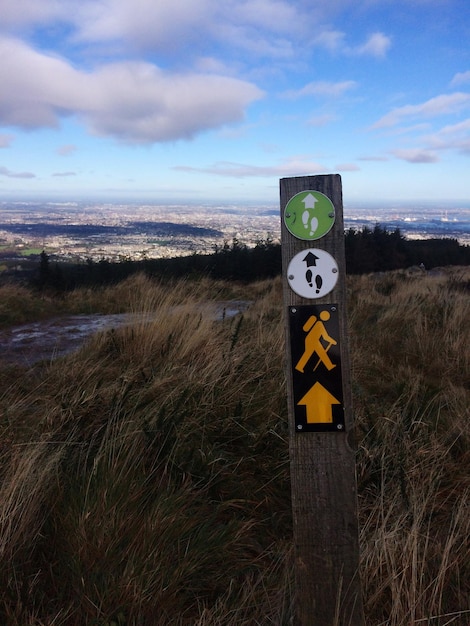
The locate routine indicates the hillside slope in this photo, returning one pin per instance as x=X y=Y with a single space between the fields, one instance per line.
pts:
x=145 y=479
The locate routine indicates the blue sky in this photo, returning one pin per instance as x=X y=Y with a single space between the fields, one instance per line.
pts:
x=215 y=100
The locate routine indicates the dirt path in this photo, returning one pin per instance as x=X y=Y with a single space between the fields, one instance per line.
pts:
x=48 y=339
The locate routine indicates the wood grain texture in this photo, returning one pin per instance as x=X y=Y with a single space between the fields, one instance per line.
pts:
x=323 y=478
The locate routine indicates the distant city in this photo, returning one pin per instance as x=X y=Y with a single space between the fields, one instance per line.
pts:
x=79 y=231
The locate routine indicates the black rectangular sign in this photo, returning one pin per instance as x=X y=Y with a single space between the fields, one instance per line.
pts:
x=316 y=368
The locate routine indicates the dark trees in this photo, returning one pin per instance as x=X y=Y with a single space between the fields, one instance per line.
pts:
x=367 y=250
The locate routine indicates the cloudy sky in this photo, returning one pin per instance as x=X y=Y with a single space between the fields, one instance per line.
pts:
x=215 y=100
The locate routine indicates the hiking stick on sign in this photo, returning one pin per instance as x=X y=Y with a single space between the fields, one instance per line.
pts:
x=324 y=496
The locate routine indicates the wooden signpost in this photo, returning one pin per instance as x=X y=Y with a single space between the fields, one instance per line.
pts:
x=324 y=499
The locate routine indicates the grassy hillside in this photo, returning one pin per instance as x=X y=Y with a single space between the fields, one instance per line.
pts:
x=145 y=479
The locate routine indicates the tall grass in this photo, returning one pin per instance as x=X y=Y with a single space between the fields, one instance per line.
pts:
x=144 y=479
x=410 y=347
x=150 y=487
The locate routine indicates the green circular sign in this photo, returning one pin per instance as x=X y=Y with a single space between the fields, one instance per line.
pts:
x=309 y=215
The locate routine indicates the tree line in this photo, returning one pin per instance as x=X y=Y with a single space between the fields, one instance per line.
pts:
x=367 y=250
x=378 y=250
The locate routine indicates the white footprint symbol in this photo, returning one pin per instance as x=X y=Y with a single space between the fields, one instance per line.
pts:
x=313 y=225
x=313 y=222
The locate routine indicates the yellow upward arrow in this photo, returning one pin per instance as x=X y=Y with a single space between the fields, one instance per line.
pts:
x=318 y=402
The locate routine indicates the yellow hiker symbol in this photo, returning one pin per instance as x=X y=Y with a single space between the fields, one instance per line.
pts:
x=316 y=332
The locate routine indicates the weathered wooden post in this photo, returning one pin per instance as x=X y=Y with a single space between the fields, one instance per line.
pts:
x=324 y=498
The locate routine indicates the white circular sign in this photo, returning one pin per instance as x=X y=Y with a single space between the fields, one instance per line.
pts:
x=312 y=273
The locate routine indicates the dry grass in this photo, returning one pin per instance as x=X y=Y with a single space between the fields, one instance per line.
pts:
x=144 y=480
x=410 y=348
x=145 y=477
x=18 y=305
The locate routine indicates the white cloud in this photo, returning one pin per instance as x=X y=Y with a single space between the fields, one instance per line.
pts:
x=174 y=29
x=331 y=40
x=377 y=45
x=464 y=146
x=347 y=167
x=322 y=88
x=296 y=166
x=212 y=65
x=277 y=15
x=5 y=140
x=139 y=102
x=131 y=101
x=416 y=155
x=440 y=105
x=35 y=87
x=20 y=14
x=66 y=150
x=4 y=171
x=452 y=137
x=143 y=24
x=171 y=28
x=321 y=120
x=460 y=78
